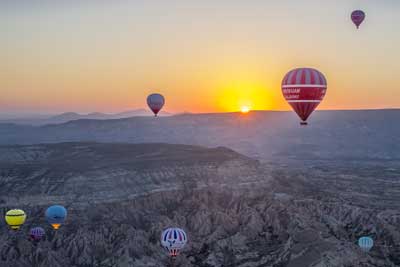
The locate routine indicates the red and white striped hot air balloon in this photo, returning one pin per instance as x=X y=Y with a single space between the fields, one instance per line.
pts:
x=304 y=89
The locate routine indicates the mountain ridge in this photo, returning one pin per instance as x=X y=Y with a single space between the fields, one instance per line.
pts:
x=358 y=135
x=71 y=116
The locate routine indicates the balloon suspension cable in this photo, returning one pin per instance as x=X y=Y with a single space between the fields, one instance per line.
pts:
x=55 y=235
x=172 y=261
x=14 y=236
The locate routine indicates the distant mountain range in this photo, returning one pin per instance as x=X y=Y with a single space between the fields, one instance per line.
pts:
x=339 y=135
x=70 y=116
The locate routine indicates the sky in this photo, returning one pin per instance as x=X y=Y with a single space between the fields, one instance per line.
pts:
x=203 y=56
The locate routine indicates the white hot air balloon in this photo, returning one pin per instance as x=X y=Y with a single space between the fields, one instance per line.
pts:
x=173 y=239
x=365 y=243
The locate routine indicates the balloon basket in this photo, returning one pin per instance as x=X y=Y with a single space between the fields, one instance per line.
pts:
x=303 y=123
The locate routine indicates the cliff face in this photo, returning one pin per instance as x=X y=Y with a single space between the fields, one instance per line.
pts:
x=236 y=211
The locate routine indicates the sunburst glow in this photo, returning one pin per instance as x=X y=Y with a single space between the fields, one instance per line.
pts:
x=244 y=109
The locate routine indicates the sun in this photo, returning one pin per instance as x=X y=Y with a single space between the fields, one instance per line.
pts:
x=244 y=109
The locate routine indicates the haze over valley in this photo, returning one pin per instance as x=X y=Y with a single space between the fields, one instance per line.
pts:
x=331 y=135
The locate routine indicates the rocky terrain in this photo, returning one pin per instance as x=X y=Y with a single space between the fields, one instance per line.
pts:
x=236 y=210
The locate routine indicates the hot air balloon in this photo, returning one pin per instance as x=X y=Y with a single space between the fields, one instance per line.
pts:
x=304 y=89
x=173 y=239
x=155 y=103
x=56 y=215
x=15 y=218
x=365 y=243
x=36 y=233
x=357 y=16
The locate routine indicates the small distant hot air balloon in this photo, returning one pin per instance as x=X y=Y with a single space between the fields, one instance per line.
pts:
x=36 y=233
x=56 y=216
x=155 y=103
x=365 y=243
x=173 y=239
x=15 y=218
x=357 y=16
x=304 y=89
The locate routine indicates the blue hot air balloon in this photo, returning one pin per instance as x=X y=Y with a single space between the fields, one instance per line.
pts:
x=365 y=243
x=56 y=216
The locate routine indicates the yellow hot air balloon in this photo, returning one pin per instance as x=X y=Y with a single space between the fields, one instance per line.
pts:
x=15 y=218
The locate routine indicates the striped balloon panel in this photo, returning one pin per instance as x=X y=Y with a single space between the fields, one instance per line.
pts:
x=366 y=243
x=37 y=233
x=304 y=110
x=173 y=238
x=304 y=76
x=304 y=100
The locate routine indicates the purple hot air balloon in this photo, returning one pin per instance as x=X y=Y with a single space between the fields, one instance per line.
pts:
x=155 y=103
x=37 y=233
x=357 y=16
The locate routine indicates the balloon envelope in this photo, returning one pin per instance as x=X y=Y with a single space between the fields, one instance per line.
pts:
x=155 y=103
x=365 y=243
x=304 y=89
x=357 y=16
x=15 y=218
x=37 y=233
x=173 y=239
x=56 y=215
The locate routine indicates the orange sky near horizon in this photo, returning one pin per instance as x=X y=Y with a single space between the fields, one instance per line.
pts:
x=203 y=57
